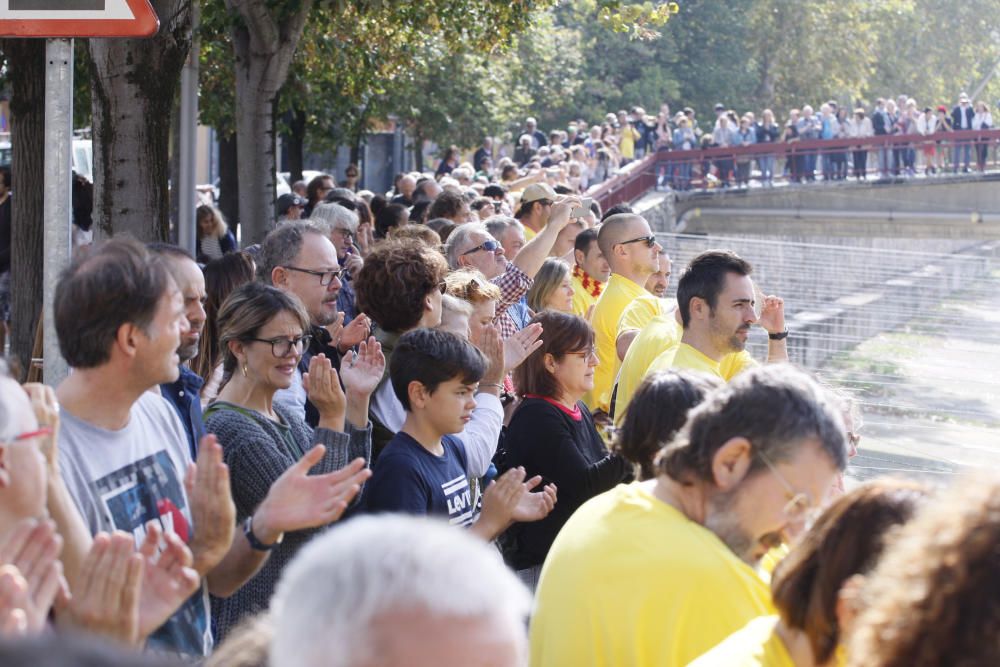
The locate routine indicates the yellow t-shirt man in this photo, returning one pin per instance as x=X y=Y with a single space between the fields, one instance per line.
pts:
x=660 y=334
x=630 y=580
x=642 y=310
x=754 y=645
x=685 y=357
x=617 y=295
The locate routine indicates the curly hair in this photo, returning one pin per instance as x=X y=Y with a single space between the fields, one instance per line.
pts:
x=395 y=279
x=934 y=598
x=657 y=412
x=846 y=540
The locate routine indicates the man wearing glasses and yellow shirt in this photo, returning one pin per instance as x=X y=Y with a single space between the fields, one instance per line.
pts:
x=658 y=572
x=632 y=253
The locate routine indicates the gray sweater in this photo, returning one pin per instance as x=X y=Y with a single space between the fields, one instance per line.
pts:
x=258 y=451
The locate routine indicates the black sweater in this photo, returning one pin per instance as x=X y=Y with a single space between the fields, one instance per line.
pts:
x=570 y=454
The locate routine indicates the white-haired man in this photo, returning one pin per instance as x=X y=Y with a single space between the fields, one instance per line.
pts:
x=395 y=590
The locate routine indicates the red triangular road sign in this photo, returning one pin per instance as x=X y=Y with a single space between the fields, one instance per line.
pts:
x=77 y=18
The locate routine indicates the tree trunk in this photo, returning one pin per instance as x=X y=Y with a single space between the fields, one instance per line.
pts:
x=295 y=144
x=26 y=62
x=134 y=85
x=264 y=49
x=229 y=182
x=174 y=167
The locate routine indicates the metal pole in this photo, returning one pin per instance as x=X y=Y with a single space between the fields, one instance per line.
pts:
x=58 y=190
x=186 y=197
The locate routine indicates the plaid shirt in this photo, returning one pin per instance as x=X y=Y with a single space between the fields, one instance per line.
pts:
x=513 y=283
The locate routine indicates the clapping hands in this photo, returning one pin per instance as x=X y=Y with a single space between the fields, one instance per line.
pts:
x=362 y=370
x=510 y=499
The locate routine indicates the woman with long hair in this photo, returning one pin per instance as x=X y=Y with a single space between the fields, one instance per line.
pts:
x=213 y=236
x=553 y=287
x=263 y=332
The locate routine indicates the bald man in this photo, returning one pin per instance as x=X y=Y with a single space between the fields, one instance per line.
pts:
x=628 y=244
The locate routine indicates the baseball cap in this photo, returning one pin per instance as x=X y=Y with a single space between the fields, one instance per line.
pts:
x=287 y=201
x=537 y=191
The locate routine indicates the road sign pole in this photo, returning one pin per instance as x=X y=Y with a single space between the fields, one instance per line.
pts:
x=58 y=190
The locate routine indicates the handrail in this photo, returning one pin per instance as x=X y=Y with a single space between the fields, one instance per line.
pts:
x=639 y=177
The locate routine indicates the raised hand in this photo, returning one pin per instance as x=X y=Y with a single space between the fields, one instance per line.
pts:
x=490 y=344
x=33 y=547
x=519 y=347
x=354 y=333
x=46 y=408
x=365 y=238
x=361 y=371
x=106 y=602
x=212 y=509
x=298 y=500
x=322 y=385
x=13 y=603
x=560 y=215
x=772 y=314
x=353 y=262
x=336 y=328
x=500 y=499
x=167 y=579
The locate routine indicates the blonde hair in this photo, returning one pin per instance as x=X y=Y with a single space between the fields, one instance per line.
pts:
x=548 y=279
x=470 y=285
x=205 y=211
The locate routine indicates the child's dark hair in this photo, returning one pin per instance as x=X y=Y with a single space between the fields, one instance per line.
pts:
x=432 y=357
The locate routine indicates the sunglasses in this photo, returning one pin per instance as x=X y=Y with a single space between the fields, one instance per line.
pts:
x=488 y=246
x=650 y=241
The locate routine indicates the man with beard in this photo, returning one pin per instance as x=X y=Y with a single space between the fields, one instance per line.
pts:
x=658 y=572
x=716 y=298
x=184 y=392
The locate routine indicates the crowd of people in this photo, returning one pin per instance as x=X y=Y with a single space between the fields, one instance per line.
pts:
x=585 y=155
x=404 y=425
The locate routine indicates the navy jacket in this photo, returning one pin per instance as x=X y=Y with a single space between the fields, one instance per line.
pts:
x=185 y=395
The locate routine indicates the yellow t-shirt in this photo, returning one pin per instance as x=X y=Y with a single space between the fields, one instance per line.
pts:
x=617 y=295
x=642 y=310
x=631 y=581
x=685 y=357
x=529 y=233
x=755 y=645
x=583 y=297
x=660 y=334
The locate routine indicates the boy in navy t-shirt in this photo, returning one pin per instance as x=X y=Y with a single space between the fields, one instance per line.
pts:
x=435 y=374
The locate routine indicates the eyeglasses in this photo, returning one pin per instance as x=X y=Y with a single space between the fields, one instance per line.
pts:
x=325 y=277
x=346 y=233
x=488 y=246
x=28 y=435
x=282 y=347
x=799 y=503
x=650 y=241
x=585 y=354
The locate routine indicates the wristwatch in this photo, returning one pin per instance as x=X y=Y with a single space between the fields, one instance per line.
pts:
x=256 y=544
x=778 y=336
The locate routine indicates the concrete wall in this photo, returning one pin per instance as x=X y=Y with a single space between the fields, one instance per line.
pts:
x=957 y=207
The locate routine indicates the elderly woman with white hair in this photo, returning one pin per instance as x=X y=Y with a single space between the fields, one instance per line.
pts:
x=341 y=225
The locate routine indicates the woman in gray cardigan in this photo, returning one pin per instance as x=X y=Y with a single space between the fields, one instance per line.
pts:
x=263 y=332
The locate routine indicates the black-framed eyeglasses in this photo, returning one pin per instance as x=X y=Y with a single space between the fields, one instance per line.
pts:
x=346 y=233
x=282 y=347
x=325 y=277
x=650 y=241
x=488 y=246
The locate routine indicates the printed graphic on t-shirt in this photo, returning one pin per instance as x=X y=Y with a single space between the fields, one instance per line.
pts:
x=457 y=493
x=140 y=492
